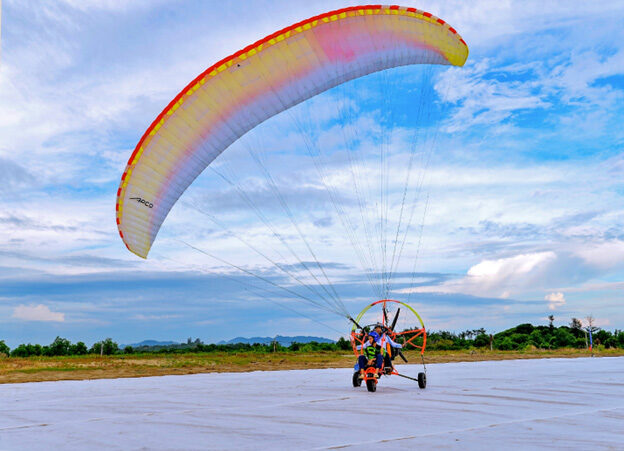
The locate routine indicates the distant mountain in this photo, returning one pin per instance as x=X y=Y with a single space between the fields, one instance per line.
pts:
x=284 y=341
x=150 y=343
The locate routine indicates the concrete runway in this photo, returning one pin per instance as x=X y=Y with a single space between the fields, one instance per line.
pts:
x=514 y=404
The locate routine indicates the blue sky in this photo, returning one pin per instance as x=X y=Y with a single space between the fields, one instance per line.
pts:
x=523 y=192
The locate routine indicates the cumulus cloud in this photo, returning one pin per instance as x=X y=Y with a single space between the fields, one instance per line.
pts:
x=555 y=300
x=498 y=278
x=37 y=313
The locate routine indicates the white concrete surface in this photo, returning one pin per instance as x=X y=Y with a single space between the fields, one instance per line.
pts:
x=519 y=404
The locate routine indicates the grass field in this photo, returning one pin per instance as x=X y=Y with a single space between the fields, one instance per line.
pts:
x=36 y=369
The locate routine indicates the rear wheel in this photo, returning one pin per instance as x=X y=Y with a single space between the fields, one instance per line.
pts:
x=356 y=379
x=371 y=385
x=422 y=380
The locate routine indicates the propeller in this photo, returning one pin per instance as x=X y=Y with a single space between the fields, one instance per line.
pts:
x=396 y=317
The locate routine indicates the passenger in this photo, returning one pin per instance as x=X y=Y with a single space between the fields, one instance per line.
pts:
x=371 y=355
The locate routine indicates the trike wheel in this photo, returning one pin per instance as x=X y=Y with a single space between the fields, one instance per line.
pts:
x=422 y=380
x=356 y=379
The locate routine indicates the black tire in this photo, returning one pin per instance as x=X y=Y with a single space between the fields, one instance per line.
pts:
x=371 y=385
x=422 y=380
x=357 y=382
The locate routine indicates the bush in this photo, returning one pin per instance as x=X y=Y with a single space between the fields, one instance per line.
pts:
x=444 y=344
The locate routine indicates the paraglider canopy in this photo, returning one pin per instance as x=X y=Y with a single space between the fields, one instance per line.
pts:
x=243 y=90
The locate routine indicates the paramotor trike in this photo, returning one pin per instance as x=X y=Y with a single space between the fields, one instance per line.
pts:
x=400 y=323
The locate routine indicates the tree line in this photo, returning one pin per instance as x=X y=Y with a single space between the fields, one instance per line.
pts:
x=521 y=337
x=63 y=347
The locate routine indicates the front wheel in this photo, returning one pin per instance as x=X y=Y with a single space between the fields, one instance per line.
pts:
x=422 y=380
x=356 y=379
x=371 y=385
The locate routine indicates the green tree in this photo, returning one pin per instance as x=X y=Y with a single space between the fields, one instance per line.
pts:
x=4 y=349
x=106 y=347
x=524 y=328
x=130 y=349
x=343 y=344
x=78 y=349
x=610 y=342
x=563 y=338
x=537 y=339
x=20 y=351
x=619 y=338
x=505 y=344
x=60 y=346
x=481 y=340
x=27 y=350
x=602 y=336
x=519 y=340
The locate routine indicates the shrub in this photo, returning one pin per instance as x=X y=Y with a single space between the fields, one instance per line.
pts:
x=443 y=344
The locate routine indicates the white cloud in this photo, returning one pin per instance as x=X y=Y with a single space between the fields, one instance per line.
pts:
x=37 y=313
x=498 y=278
x=605 y=255
x=142 y=317
x=555 y=300
x=483 y=100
